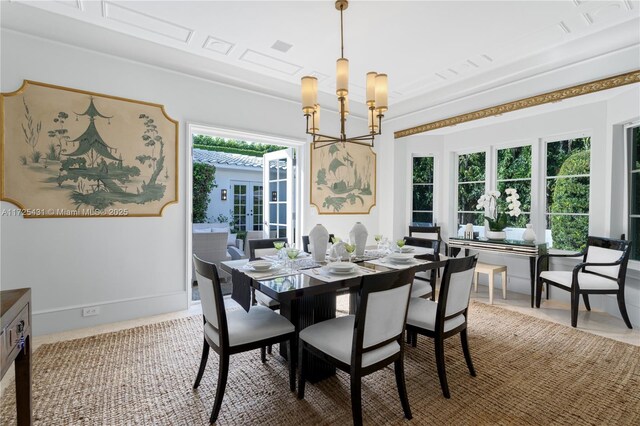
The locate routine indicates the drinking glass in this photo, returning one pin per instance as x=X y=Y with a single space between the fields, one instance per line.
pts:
x=350 y=248
x=378 y=238
x=279 y=245
x=400 y=243
x=292 y=252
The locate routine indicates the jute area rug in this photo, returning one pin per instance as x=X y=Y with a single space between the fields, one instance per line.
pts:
x=529 y=372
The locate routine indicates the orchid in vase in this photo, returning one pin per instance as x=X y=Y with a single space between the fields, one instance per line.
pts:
x=492 y=204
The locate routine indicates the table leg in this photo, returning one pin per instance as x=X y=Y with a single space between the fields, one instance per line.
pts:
x=532 y=273
x=302 y=313
x=23 y=383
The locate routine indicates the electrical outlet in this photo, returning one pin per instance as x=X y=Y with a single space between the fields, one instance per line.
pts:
x=90 y=311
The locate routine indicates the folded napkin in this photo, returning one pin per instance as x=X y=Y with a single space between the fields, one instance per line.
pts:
x=241 y=291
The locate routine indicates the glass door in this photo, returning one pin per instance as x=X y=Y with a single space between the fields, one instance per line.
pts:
x=247 y=206
x=278 y=207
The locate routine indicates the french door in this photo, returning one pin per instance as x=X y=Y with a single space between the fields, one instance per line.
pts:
x=279 y=200
x=247 y=205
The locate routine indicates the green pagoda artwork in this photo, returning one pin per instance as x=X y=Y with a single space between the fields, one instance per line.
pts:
x=118 y=157
x=343 y=179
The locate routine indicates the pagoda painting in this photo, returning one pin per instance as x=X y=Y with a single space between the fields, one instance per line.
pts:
x=71 y=153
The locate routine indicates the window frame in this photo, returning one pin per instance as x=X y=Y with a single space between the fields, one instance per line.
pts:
x=410 y=185
x=456 y=165
x=542 y=180
x=633 y=263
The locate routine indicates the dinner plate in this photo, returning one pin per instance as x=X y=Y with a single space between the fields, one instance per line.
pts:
x=260 y=265
x=400 y=257
x=407 y=249
x=341 y=268
x=272 y=268
x=345 y=272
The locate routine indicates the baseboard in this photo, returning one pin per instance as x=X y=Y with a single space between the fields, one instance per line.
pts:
x=70 y=318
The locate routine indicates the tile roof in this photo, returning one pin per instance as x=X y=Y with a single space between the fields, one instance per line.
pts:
x=216 y=158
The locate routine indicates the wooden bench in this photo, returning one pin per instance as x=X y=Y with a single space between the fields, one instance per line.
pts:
x=490 y=270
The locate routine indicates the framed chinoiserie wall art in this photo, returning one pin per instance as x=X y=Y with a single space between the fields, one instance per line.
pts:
x=343 y=179
x=70 y=153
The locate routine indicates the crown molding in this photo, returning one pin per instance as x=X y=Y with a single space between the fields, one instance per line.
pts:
x=548 y=97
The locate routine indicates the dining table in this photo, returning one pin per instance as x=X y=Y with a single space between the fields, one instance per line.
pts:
x=308 y=295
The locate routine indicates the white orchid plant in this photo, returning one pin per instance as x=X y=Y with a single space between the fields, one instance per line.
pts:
x=489 y=202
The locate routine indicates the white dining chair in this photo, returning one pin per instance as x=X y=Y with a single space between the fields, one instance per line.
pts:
x=235 y=331
x=363 y=343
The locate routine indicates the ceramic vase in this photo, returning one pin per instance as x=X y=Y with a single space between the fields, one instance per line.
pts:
x=359 y=236
x=528 y=234
x=468 y=231
x=318 y=240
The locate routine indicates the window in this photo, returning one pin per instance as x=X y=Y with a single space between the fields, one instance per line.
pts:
x=633 y=138
x=514 y=171
x=240 y=207
x=471 y=185
x=257 y=207
x=422 y=207
x=567 y=193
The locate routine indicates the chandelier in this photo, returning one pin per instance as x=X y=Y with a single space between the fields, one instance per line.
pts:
x=377 y=99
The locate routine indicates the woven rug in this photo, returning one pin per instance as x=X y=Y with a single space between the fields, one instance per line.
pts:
x=529 y=372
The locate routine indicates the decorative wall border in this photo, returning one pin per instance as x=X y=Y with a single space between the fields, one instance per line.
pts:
x=555 y=96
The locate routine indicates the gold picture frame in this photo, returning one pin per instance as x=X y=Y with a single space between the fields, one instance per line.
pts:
x=343 y=179
x=72 y=153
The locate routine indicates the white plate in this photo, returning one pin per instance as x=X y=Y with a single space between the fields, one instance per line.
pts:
x=341 y=267
x=407 y=249
x=400 y=257
x=260 y=265
x=333 y=271
x=273 y=267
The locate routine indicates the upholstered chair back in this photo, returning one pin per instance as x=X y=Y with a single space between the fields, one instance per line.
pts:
x=264 y=247
x=455 y=289
x=605 y=250
x=383 y=307
x=210 y=294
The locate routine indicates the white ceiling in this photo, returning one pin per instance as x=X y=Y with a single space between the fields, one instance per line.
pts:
x=430 y=49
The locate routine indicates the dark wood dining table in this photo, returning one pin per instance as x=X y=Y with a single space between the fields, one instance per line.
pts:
x=305 y=300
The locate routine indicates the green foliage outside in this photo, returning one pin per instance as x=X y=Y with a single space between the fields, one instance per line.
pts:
x=515 y=163
x=422 y=190
x=233 y=146
x=471 y=168
x=203 y=183
x=571 y=195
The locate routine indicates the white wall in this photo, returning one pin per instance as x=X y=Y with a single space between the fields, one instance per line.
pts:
x=225 y=178
x=134 y=267
x=129 y=267
x=597 y=119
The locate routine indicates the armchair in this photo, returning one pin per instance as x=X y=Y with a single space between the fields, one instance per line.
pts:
x=602 y=271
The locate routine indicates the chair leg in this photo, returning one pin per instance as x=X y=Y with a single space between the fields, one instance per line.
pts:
x=467 y=354
x=302 y=379
x=408 y=337
x=263 y=354
x=269 y=349
x=575 y=305
x=475 y=281
x=585 y=297
x=356 y=398
x=491 y=281
x=539 y=285
x=223 y=373
x=504 y=285
x=402 y=388
x=203 y=363
x=442 y=373
x=414 y=339
x=292 y=367
x=623 y=309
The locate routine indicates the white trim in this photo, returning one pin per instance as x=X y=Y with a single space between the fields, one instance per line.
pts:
x=108 y=302
x=409 y=185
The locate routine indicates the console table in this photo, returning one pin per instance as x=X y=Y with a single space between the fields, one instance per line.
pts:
x=15 y=344
x=509 y=247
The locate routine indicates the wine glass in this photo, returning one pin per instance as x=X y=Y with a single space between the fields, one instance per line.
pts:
x=279 y=245
x=378 y=238
x=350 y=248
x=400 y=244
x=292 y=252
